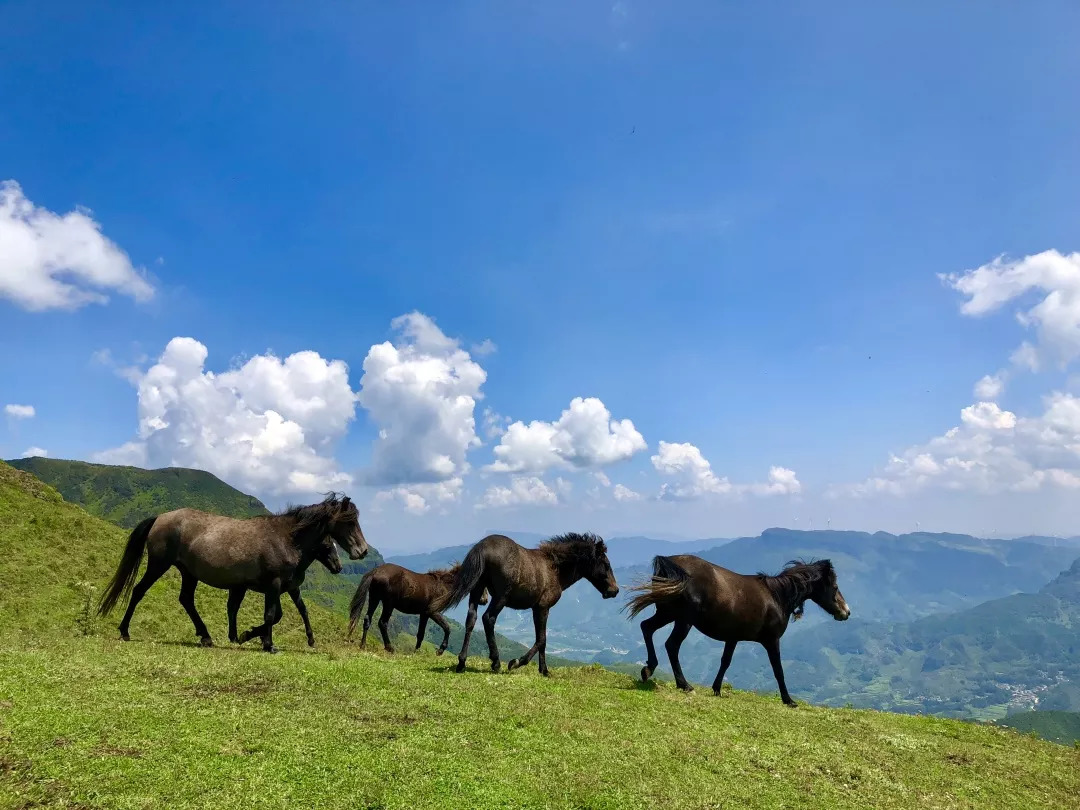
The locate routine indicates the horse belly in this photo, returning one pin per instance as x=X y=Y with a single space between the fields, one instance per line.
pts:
x=220 y=565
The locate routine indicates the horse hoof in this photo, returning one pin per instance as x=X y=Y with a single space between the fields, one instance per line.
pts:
x=646 y=673
x=440 y=651
x=271 y=649
x=206 y=641
x=512 y=665
x=716 y=693
x=791 y=704
x=311 y=642
x=496 y=666
x=545 y=673
x=460 y=667
x=687 y=687
x=125 y=637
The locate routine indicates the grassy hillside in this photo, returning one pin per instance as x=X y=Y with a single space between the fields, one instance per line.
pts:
x=126 y=495
x=89 y=722
x=1062 y=727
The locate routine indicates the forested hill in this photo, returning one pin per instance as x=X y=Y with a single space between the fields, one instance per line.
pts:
x=126 y=495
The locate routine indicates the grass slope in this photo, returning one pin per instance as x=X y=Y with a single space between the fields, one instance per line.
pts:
x=87 y=721
x=126 y=495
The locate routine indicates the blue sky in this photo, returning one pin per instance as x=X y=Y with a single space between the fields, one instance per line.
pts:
x=725 y=223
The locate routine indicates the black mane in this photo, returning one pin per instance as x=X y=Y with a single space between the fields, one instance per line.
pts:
x=797 y=581
x=314 y=516
x=573 y=546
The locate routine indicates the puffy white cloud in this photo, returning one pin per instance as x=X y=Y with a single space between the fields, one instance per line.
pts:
x=49 y=261
x=484 y=348
x=991 y=450
x=692 y=472
x=990 y=387
x=782 y=481
x=1056 y=316
x=418 y=498
x=523 y=490
x=585 y=435
x=30 y=452
x=494 y=423
x=603 y=480
x=267 y=427
x=694 y=476
x=421 y=393
x=19 y=411
x=624 y=494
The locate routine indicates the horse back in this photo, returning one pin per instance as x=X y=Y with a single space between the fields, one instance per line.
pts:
x=724 y=604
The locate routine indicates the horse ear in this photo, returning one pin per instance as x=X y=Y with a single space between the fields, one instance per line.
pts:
x=601 y=547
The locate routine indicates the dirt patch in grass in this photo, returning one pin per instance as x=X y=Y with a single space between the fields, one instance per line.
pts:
x=250 y=688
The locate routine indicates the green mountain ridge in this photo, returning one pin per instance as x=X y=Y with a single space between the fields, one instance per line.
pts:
x=126 y=495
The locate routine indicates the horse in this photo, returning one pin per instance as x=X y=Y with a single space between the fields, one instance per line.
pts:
x=325 y=554
x=268 y=554
x=730 y=607
x=398 y=588
x=520 y=578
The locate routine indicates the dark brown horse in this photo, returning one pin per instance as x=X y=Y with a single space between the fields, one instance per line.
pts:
x=730 y=607
x=326 y=554
x=520 y=578
x=397 y=588
x=265 y=554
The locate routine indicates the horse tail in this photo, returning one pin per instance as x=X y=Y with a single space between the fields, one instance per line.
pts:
x=356 y=606
x=119 y=587
x=668 y=583
x=467 y=578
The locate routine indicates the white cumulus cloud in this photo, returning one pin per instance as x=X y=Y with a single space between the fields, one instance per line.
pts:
x=53 y=261
x=623 y=494
x=584 y=436
x=19 y=411
x=268 y=426
x=523 y=490
x=991 y=450
x=419 y=498
x=1054 y=277
x=990 y=387
x=694 y=477
x=421 y=392
x=693 y=474
x=30 y=452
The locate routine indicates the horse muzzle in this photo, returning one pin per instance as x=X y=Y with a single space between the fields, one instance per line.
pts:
x=611 y=593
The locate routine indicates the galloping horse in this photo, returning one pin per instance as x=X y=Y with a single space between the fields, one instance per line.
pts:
x=519 y=578
x=325 y=554
x=730 y=607
x=398 y=588
x=265 y=554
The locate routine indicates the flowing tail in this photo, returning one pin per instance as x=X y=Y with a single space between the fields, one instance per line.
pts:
x=356 y=606
x=467 y=577
x=668 y=583
x=119 y=587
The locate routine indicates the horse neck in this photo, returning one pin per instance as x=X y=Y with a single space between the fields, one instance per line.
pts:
x=789 y=591
x=307 y=539
x=567 y=571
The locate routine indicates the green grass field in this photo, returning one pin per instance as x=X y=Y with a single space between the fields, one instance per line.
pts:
x=88 y=721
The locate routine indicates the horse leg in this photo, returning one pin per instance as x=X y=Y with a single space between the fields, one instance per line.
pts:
x=439 y=620
x=373 y=604
x=155 y=569
x=540 y=626
x=421 y=630
x=188 y=583
x=490 y=615
x=301 y=608
x=772 y=647
x=384 y=624
x=672 y=645
x=271 y=616
x=648 y=627
x=470 y=622
x=725 y=662
x=236 y=598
